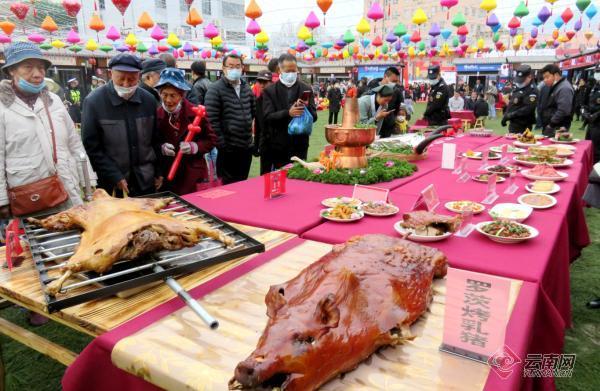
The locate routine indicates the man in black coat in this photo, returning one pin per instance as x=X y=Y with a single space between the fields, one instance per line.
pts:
x=283 y=101
x=231 y=108
x=201 y=83
x=437 y=111
x=119 y=131
x=151 y=69
x=390 y=76
x=523 y=102
x=334 y=95
x=557 y=110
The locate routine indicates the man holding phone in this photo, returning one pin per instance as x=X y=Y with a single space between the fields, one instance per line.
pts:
x=283 y=101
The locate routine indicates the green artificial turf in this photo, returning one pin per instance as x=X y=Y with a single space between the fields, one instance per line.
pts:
x=28 y=370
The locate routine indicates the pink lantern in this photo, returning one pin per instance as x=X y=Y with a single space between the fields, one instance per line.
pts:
x=375 y=12
x=5 y=38
x=36 y=38
x=157 y=33
x=113 y=34
x=73 y=37
x=252 y=29
x=210 y=31
x=312 y=22
x=448 y=4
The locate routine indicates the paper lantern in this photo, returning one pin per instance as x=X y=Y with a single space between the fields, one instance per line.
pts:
x=385 y=49
x=187 y=48
x=480 y=44
x=113 y=34
x=48 y=24
x=544 y=14
x=253 y=28
x=534 y=32
x=591 y=11
x=36 y=38
x=157 y=33
x=304 y=33
x=512 y=32
x=582 y=4
x=555 y=34
x=459 y=20
x=434 y=31
x=488 y=5
x=131 y=39
x=365 y=42
x=578 y=25
x=73 y=37
x=122 y=48
x=19 y=9
x=253 y=11
x=496 y=28
x=411 y=52
x=390 y=37
x=72 y=7
x=419 y=17
x=537 y=22
x=324 y=5
x=194 y=18
x=121 y=5
x=462 y=38
x=558 y=22
x=377 y=41
x=521 y=10
x=173 y=41
x=531 y=42
x=5 y=39
x=400 y=30
x=96 y=23
x=91 y=45
x=312 y=22
x=363 y=26
x=153 y=50
x=145 y=21
x=7 y=27
x=446 y=33
x=514 y=23
x=588 y=35
x=162 y=48
x=567 y=15
x=492 y=20
x=375 y=12
x=301 y=47
x=141 y=48
x=433 y=42
x=415 y=37
x=310 y=42
x=216 y=41
x=58 y=44
x=455 y=42
x=210 y=31
x=348 y=37
x=262 y=37
x=75 y=48
x=44 y=46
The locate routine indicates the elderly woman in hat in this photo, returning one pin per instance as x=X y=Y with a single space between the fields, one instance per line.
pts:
x=374 y=108
x=173 y=117
x=37 y=136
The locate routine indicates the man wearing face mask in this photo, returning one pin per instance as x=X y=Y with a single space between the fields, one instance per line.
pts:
x=591 y=115
x=151 y=69
x=557 y=110
x=119 y=131
x=523 y=102
x=283 y=101
x=437 y=111
x=231 y=108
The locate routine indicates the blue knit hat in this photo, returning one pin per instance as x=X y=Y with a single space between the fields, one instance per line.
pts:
x=174 y=77
x=21 y=51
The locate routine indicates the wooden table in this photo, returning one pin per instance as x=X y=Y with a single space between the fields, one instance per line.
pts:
x=22 y=287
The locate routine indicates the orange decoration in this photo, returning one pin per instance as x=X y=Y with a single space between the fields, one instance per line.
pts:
x=49 y=25
x=194 y=18
x=96 y=23
x=324 y=5
x=7 y=26
x=145 y=21
x=253 y=11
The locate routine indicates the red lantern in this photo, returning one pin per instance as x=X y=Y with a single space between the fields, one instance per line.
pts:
x=462 y=30
x=570 y=34
x=514 y=23
x=20 y=10
x=121 y=5
x=72 y=7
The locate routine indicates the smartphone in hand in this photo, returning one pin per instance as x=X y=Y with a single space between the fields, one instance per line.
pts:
x=305 y=97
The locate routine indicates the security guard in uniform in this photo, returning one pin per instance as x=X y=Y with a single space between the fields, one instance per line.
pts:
x=523 y=102
x=592 y=117
x=437 y=111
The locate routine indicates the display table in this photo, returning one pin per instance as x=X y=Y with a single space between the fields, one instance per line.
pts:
x=170 y=348
x=467 y=115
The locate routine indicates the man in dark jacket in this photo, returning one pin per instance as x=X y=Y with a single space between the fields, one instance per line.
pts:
x=334 y=95
x=151 y=69
x=390 y=76
x=523 y=102
x=283 y=101
x=437 y=112
x=231 y=108
x=470 y=102
x=557 y=110
x=119 y=131
x=482 y=109
x=201 y=83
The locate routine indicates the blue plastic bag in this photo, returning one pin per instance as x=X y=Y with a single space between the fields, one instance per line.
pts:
x=301 y=125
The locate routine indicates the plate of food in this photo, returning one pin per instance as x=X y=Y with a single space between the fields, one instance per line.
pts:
x=534 y=160
x=564 y=138
x=501 y=169
x=537 y=201
x=509 y=149
x=526 y=139
x=512 y=212
x=479 y=155
x=511 y=136
x=484 y=178
x=507 y=232
x=526 y=144
x=461 y=206
x=542 y=187
x=565 y=150
x=335 y=201
x=424 y=226
x=342 y=214
x=379 y=209
x=544 y=172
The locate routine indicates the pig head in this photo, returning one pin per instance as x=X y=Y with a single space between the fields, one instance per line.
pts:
x=338 y=311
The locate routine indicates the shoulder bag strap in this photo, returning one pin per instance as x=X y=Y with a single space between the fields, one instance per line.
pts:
x=54 y=158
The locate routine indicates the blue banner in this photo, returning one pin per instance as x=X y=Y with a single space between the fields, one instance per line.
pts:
x=371 y=72
x=478 y=67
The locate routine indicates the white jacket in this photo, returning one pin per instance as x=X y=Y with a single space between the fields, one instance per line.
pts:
x=26 y=144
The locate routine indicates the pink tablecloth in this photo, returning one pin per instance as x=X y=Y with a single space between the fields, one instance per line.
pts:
x=93 y=369
x=464 y=114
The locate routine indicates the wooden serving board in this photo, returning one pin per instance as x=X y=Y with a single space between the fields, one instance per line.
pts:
x=22 y=286
x=180 y=353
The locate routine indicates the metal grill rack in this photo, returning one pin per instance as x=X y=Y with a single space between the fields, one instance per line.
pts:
x=51 y=249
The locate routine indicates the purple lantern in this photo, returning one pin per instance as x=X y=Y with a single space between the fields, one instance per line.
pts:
x=123 y=48
x=577 y=25
x=462 y=38
x=434 y=31
x=398 y=45
x=556 y=44
x=301 y=47
x=512 y=32
x=340 y=42
x=187 y=48
x=534 y=32
x=544 y=14
x=433 y=42
x=153 y=51
x=390 y=37
x=492 y=20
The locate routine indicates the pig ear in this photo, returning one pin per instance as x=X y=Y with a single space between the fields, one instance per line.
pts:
x=327 y=313
x=275 y=300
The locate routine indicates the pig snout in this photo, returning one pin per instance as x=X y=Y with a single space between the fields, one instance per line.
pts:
x=246 y=373
x=257 y=374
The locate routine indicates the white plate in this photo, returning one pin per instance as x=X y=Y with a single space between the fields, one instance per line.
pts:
x=520 y=144
x=496 y=211
x=563 y=176
x=419 y=238
x=511 y=136
x=554 y=201
x=514 y=149
x=335 y=201
x=555 y=189
x=391 y=213
x=449 y=207
x=565 y=163
x=565 y=153
x=574 y=141
x=360 y=212
x=534 y=233
x=499 y=178
x=479 y=156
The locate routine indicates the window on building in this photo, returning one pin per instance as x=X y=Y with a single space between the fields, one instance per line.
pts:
x=160 y=3
x=206 y=7
x=183 y=6
x=232 y=10
x=186 y=32
x=164 y=27
x=101 y=4
x=238 y=36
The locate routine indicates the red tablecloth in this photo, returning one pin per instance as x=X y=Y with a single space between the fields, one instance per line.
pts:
x=93 y=369
x=464 y=114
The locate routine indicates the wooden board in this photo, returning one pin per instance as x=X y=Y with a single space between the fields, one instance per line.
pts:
x=22 y=286
x=180 y=353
